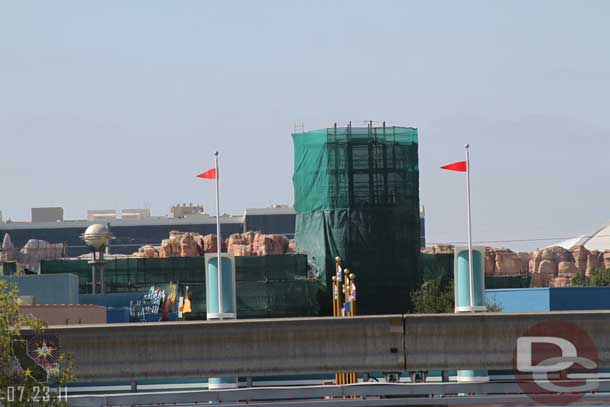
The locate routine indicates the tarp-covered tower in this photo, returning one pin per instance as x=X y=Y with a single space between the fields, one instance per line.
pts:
x=357 y=196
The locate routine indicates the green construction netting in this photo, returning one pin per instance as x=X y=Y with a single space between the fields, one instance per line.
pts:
x=355 y=167
x=507 y=282
x=277 y=299
x=267 y=286
x=275 y=268
x=379 y=245
x=357 y=196
x=433 y=266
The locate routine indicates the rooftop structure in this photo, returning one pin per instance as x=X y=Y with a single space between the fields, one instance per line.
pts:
x=53 y=214
x=141 y=213
x=100 y=215
x=137 y=227
x=182 y=211
x=597 y=240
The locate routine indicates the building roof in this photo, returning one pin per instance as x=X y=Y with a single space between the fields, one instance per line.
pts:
x=197 y=219
x=598 y=240
x=276 y=210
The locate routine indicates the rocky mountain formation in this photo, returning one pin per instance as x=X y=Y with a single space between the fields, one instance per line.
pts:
x=548 y=267
x=187 y=244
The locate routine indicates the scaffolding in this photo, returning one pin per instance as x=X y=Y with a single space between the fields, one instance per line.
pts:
x=357 y=196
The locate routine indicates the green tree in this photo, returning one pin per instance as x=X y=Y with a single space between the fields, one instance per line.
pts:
x=436 y=296
x=17 y=388
x=433 y=297
x=599 y=277
x=579 y=280
x=492 y=305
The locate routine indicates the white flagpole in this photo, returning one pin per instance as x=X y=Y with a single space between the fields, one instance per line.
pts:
x=470 y=272
x=218 y=238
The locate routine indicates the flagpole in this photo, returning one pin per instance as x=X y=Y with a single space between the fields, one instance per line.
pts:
x=470 y=272
x=218 y=238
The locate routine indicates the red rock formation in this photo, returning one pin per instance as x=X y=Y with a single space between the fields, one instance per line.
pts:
x=566 y=269
x=560 y=282
x=244 y=244
x=560 y=254
x=167 y=249
x=148 y=252
x=188 y=245
x=551 y=266
x=236 y=239
x=555 y=266
x=535 y=260
x=210 y=244
x=547 y=254
x=546 y=272
x=504 y=263
x=525 y=259
x=257 y=244
x=250 y=237
x=269 y=244
x=241 y=250
x=595 y=260
x=508 y=263
x=581 y=255
x=490 y=262
x=607 y=259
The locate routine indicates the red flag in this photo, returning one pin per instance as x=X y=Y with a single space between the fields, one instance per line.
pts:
x=459 y=166
x=209 y=174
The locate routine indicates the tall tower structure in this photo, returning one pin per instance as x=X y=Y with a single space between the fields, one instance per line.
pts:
x=357 y=196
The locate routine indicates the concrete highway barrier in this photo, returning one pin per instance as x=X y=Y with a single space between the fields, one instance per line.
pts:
x=488 y=340
x=234 y=348
x=310 y=345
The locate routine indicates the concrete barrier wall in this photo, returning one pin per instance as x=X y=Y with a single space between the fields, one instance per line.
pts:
x=310 y=345
x=488 y=340
x=238 y=348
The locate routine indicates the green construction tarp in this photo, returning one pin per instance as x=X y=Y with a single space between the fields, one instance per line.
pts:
x=385 y=271
x=507 y=282
x=338 y=168
x=435 y=266
x=274 y=299
x=310 y=171
x=277 y=268
x=275 y=285
x=357 y=196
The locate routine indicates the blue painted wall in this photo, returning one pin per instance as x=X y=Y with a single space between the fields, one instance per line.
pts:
x=520 y=299
x=117 y=315
x=580 y=298
x=550 y=299
x=48 y=288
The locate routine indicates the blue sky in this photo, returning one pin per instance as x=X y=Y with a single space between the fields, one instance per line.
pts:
x=118 y=104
